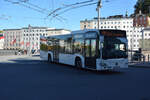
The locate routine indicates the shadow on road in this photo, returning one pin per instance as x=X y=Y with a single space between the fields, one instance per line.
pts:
x=107 y=72
x=62 y=68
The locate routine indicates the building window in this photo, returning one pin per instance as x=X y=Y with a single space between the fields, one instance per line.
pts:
x=145 y=34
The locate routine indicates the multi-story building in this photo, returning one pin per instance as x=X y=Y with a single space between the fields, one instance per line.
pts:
x=145 y=41
x=31 y=37
x=28 y=38
x=1 y=40
x=12 y=38
x=141 y=20
x=119 y=22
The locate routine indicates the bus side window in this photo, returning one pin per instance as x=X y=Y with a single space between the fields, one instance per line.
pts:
x=62 y=46
x=78 y=46
x=68 y=45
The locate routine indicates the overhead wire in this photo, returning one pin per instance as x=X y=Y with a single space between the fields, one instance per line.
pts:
x=72 y=9
x=30 y=6
x=67 y=6
x=24 y=5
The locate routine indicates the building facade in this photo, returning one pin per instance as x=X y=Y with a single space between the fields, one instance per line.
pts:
x=28 y=38
x=51 y=32
x=145 y=42
x=134 y=34
x=31 y=37
x=12 y=38
x=141 y=20
x=1 y=40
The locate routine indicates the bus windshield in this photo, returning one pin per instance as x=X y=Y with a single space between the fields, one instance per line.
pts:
x=114 y=48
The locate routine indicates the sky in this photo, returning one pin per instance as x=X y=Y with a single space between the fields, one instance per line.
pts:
x=35 y=12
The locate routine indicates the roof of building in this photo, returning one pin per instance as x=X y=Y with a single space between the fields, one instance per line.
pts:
x=108 y=18
x=35 y=27
x=57 y=30
x=11 y=29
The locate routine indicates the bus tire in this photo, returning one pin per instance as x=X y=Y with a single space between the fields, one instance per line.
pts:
x=49 y=58
x=78 y=63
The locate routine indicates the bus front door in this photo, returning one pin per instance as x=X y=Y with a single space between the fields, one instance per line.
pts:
x=90 y=53
x=56 y=51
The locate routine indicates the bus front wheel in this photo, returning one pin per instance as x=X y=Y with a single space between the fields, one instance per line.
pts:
x=78 y=63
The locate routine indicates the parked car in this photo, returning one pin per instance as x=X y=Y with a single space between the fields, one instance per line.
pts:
x=137 y=56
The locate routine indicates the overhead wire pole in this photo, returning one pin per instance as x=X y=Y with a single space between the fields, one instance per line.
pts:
x=99 y=5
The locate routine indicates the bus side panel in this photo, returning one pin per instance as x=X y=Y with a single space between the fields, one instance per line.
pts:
x=66 y=59
x=43 y=55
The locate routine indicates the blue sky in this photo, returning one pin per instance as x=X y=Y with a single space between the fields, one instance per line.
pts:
x=19 y=15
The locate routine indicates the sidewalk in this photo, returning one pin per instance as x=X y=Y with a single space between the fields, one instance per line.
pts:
x=140 y=65
x=13 y=58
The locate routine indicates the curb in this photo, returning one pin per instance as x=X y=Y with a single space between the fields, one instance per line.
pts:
x=138 y=66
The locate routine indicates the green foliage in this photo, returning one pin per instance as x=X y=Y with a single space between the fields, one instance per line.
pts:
x=143 y=5
x=44 y=47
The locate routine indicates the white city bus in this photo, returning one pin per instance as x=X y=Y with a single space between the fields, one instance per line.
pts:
x=89 y=49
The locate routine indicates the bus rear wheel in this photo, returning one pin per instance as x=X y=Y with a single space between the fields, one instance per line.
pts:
x=78 y=63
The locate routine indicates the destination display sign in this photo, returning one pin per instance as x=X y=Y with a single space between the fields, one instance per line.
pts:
x=113 y=33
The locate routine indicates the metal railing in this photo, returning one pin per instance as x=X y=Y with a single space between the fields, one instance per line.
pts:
x=138 y=57
x=7 y=52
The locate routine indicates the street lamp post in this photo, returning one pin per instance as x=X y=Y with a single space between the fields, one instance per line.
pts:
x=99 y=5
x=142 y=39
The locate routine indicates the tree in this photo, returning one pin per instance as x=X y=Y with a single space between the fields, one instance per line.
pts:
x=143 y=5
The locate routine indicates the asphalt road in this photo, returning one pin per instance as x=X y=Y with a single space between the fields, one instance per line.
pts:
x=33 y=79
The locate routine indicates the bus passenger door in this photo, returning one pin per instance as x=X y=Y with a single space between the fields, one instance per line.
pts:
x=56 y=51
x=90 y=53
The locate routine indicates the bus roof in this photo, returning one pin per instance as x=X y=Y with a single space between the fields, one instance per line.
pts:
x=101 y=31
